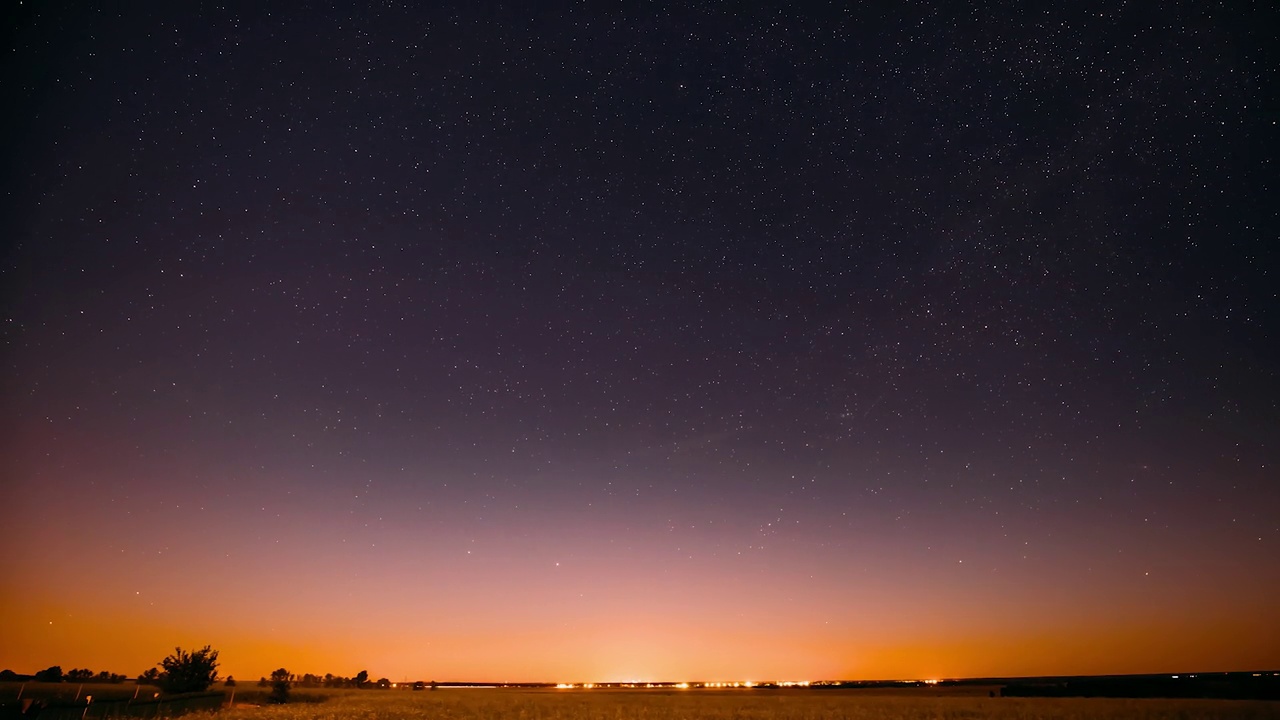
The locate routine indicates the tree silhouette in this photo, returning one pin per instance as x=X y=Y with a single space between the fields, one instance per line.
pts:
x=50 y=674
x=191 y=671
x=230 y=682
x=279 y=686
x=362 y=678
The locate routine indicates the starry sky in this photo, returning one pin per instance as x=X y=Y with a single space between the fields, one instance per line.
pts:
x=600 y=342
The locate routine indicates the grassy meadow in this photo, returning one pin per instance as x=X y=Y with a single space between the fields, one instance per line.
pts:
x=539 y=704
x=517 y=704
x=68 y=691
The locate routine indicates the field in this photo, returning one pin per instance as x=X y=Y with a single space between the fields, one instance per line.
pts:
x=68 y=691
x=522 y=704
x=499 y=704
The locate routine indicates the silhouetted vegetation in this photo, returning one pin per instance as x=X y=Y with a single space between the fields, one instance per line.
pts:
x=279 y=686
x=186 y=672
x=329 y=680
x=50 y=674
x=85 y=675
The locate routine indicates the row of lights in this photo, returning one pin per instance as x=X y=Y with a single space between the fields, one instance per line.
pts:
x=685 y=685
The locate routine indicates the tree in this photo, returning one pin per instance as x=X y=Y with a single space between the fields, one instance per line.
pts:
x=150 y=677
x=362 y=678
x=191 y=671
x=231 y=682
x=51 y=674
x=79 y=674
x=384 y=683
x=262 y=682
x=279 y=686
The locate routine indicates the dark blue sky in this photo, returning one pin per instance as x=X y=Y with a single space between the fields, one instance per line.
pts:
x=857 y=295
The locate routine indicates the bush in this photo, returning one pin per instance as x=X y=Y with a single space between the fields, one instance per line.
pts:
x=186 y=672
x=279 y=686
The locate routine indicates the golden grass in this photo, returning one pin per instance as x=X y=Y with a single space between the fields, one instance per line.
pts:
x=524 y=704
x=514 y=704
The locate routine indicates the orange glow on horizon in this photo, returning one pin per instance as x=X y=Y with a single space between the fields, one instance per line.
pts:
x=678 y=651
x=474 y=348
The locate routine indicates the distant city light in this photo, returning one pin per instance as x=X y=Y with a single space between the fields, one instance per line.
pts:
x=685 y=685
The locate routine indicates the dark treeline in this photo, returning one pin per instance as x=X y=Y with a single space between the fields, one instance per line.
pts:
x=55 y=674
x=329 y=680
x=182 y=672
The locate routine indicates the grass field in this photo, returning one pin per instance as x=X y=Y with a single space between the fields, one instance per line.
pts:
x=501 y=704
x=67 y=691
x=519 y=704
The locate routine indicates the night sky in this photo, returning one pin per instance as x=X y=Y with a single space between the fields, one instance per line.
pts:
x=603 y=343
